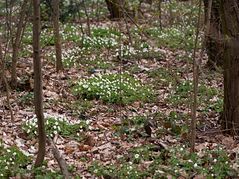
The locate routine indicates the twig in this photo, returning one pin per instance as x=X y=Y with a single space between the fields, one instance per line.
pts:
x=127 y=26
x=60 y=160
x=217 y=131
x=195 y=84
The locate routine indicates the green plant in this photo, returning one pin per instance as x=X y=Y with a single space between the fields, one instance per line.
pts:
x=181 y=13
x=210 y=163
x=27 y=37
x=175 y=37
x=12 y=162
x=81 y=55
x=105 y=32
x=164 y=77
x=70 y=57
x=113 y=88
x=44 y=173
x=55 y=125
x=71 y=32
x=98 y=42
x=216 y=106
x=182 y=94
x=79 y=106
x=47 y=37
x=175 y=161
x=175 y=122
x=97 y=63
x=26 y=99
x=138 y=51
x=141 y=154
x=126 y=170
x=25 y=53
x=132 y=127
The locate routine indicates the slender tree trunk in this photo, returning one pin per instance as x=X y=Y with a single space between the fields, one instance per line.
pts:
x=97 y=12
x=9 y=7
x=3 y=78
x=114 y=8
x=127 y=27
x=55 y=17
x=229 y=13
x=87 y=17
x=38 y=98
x=196 y=65
x=160 y=13
x=17 y=41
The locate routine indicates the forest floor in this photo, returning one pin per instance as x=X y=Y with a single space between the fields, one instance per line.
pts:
x=139 y=139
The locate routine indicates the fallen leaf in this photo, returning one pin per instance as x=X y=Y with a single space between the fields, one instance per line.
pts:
x=84 y=147
x=228 y=142
x=69 y=149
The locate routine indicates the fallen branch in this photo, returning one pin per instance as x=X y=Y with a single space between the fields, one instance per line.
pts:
x=60 y=160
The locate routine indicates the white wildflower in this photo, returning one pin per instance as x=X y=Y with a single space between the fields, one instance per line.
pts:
x=136 y=156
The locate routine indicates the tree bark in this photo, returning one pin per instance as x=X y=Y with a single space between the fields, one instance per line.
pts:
x=229 y=13
x=3 y=78
x=214 y=46
x=17 y=41
x=55 y=17
x=115 y=8
x=87 y=17
x=38 y=98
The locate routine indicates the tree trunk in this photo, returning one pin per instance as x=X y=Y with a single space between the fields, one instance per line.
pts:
x=4 y=80
x=229 y=13
x=115 y=8
x=38 y=98
x=17 y=41
x=55 y=18
x=214 y=47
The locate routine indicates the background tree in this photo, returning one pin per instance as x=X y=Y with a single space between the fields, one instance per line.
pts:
x=38 y=98
x=17 y=41
x=229 y=13
x=4 y=81
x=214 y=46
x=56 y=29
x=114 y=8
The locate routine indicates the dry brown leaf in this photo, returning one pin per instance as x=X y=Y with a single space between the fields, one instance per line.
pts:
x=229 y=142
x=89 y=140
x=84 y=147
x=69 y=149
x=199 y=177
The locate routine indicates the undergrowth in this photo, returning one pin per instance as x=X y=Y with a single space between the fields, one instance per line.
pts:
x=113 y=88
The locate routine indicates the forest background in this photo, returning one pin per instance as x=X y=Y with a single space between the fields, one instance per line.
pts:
x=119 y=89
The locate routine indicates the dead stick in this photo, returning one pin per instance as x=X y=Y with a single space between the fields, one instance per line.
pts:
x=60 y=160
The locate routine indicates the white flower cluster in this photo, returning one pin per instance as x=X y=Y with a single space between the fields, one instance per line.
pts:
x=10 y=160
x=129 y=50
x=112 y=88
x=126 y=50
x=70 y=56
x=52 y=124
x=98 y=42
x=70 y=32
